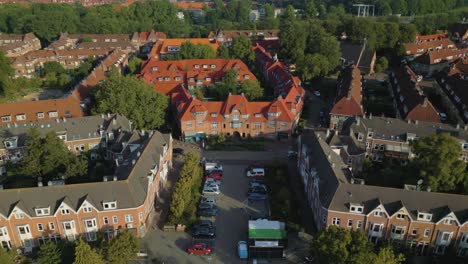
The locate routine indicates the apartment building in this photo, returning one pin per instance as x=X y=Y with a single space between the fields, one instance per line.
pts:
x=163 y=48
x=423 y=44
x=436 y=61
x=27 y=65
x=85 y=3
x=194 y=74
x=225 y=37
x=30 y=217
x=453 y=86
x=428 y=222
x=348 y=101
x=14 y=45
x=408 y=98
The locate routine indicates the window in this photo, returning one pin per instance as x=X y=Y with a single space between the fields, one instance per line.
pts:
x=140 y=216
x=40 y=227
x=205 y=66
x=200 y=123
x=335 y=221
x=398 y=230
x=19 y=215
x=360 y=137
x=350 y=222
x=415 y=232
x=23 y=230
x=258 y=125
x=445 y=237
x=359 y=224
x=87 y=209
x=91 y=236
x=188 y=124
x=40 y=115
x=378 y=213
x=21 y=117
x=6 y=118
x=448 y=221
x=51 y=226
x=90 y=223
x=42 y=211
x=196 y=66
x=214 y=125
x=115 y=220
x=53 y=114
x=355 y=208
x=427 y=232
x=110 y=205
x=400 y=216
x=105 y=220
x=129 y=218
x=213 y=66
x=80 y=147
x=65 y=211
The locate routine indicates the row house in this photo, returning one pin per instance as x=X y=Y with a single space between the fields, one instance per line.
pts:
x=348 y=101
x=436 y=61
x=167 y=47
x=194 y=74
x=30 y=63
x=424 y=44
x=14 y=45
x=358 y=55
x=32 y=216
x=225 y=37
x=96 y=134
x=428 y=222
x=408 y=98
x=453 y=85
x=390 y=138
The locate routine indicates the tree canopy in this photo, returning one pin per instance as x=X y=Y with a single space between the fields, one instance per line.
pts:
x=438 y=162
x=7 y=256
x=336 y=245
x=84 y=254
x=49 y=253
x=188 y=50
x=251 y=89
x=133 y=98
x=123 y=248
x=48 y=157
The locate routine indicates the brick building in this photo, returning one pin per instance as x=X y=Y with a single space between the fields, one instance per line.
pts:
x=453 y=85
x=425 y=43
x=225 y=37
x=409 y=99
x=163 y=48
x=14 y=45
x=428 y=222
x=30 y=217
x=348 y=101
x=436 y=61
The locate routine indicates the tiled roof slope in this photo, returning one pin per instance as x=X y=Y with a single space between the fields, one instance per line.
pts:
x=349 y=98
x=411 y=101
x=439 y=56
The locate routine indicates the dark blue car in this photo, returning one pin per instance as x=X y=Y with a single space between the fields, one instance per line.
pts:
x=257 y=197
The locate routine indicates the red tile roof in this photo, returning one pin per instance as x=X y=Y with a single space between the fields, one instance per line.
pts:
x=421 y=47
x=431 y=37
x=194 y=5
x=178 y=42
x=444 y=55
x=349 y=99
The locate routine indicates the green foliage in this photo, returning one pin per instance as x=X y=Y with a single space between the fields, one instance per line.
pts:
x=134 y=65
x=198 y=93
x=123 y=248
x=188 y=50
x=49 y=253
x=8 y=257
x=223 y=52
x=132 y=97
x=336 y=245
x=52 y=67
x=84 y=254
x=439 y=164
x=6 y=72
x=251 y=89
x=186 y=191
x=241 y=48
x=49 y=157
x=381 y=65
x=227 y=85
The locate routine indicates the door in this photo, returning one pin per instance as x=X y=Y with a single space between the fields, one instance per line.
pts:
x=69 y=230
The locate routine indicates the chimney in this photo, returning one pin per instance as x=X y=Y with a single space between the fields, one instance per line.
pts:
x=108 y=115
x=409 y=121
x=114 y=121
x=358 y=121
x=104 y=179
x=114 y=178
x=416 y=122
x=424 y=104
x=458 y=126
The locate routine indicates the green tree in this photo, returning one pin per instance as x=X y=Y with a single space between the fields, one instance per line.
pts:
x=84 y=254
x=310 y=11
x=251 y=89
x=228 y=85
x=188 y=50
x=198 y=93
x=223 y=52
x=49 y=253
x=439 y=164
x=381 y=65
x=52 y=67
x=6 y=72
x=123 y=248
x=8 y=256
x=386 y=255
x=131 y=97
x=134 y=65
x=241 y=48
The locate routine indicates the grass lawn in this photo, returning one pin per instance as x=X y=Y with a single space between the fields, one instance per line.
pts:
x=223 y=143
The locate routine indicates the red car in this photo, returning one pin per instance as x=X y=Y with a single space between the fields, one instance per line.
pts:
x=214 y=176
x=255 y=164
x=199 y=249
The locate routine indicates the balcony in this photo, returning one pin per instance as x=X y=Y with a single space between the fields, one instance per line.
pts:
x=236 y=124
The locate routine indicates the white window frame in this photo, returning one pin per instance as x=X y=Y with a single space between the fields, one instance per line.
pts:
x=40 y=227
x=115 y=220
x=51 y=226
x=65 y=211
x=109 y=205
x=427 y=232
x=350 y=222
x=128 y=218
x=53 y=114
x=336 y=221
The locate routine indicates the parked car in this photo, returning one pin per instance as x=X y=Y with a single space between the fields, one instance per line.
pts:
x=257 y=197
x=207 y=212
x=254 y=184
x=292 y=154
x=211 y=166
x=202 y=223
x=212 y=182
x=317 y=93
x=208 y=200
x=443 y=116
x=257 y=190
x=199 y=249
x=206 y=206
x=215 y=176
x=210 y=190
x=256 y=172
x=242 y=250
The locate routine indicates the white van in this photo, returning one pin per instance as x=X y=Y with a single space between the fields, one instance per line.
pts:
x=256 y=172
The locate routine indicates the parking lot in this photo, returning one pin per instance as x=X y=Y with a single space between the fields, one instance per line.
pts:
x=231 y=221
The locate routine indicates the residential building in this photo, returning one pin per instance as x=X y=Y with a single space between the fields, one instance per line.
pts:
x=30 y=63
x=225 y=37
x=437 y=60
x=163 y=48
x=358 y=55
x=409 y=99
x=125 y=200
x=194 y=74
x=194 y=8
x=41 y=110
x=459 y=32
x=14 y=45
x=453 y=89
x=348 y=101
x=423 y=44
x=85 y=3
x=428 y=222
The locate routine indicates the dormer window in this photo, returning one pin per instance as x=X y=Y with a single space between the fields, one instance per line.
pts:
x=109 y=205
x=40 y=115
x=400 y=216
x=6 y=118
x=356 y=208
x=370 y=134
x=155 y=68
x=360 y=137
x=378 y=213
x=213 y=66
x=424 y=217
x=53 y=114
x=214 y=114
x=258 y=115
x=21 y=117
x=42 y=211
x=196 y=66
